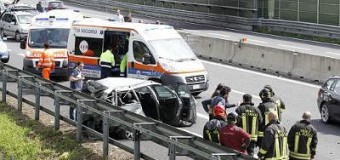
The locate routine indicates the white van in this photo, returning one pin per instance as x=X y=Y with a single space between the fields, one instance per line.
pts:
x=154 y=52
x=53 y=28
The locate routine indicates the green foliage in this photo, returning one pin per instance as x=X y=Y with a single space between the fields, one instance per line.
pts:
x=24 y=138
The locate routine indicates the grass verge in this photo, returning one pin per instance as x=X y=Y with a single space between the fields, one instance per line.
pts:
x=24 y=138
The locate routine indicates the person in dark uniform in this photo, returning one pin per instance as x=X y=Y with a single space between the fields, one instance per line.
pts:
x=302 y=139
x=211 y=128
x=106 y=62
x=274 y=144
x=267 y=105
x=277 y=100
x=249 y=119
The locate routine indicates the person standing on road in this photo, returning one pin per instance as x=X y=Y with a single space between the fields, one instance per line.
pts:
x=221 y=99
x=266 y=106
x=302 y=139
x=107 y=62
x=206 y=103
x=211 y=128
x=119 y=17
x=76 y=83
x=46 y=62
x=234 y=137
x=274 y=143
x=249 y=119
x=277 y=100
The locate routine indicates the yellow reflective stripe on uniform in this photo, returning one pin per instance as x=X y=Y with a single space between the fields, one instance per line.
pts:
x=277 y=147
x=260 y=134
x=262 y=151
x=244 y=123
x=284 y=148
x=309 y=141
x=296 y=143
x=299 y=155
x=218 y=138
x=253 y=131
x=209 y=136
x=266 y=121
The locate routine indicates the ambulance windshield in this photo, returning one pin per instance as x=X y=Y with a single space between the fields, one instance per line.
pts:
x=55 y=37
x=173 y=49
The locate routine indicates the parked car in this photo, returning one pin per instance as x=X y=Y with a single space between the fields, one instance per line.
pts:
x=176 y=107
x=329 y=100
x=15 y=24
x=52 y=4
x=21 y=7
x=4 y=51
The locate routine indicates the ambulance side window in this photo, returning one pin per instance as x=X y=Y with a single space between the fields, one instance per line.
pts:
x=139 y=49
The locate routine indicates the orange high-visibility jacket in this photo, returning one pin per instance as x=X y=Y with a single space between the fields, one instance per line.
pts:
x=46 y=60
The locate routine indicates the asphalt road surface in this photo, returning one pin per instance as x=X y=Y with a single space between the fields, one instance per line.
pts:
x=298 y=96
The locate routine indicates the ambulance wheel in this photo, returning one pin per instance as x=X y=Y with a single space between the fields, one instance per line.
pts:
x=17 y=36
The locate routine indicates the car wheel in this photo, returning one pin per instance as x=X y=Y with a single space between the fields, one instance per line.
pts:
x=2 y=33
x=325 y=116
x=5 y=60
x=17 y=36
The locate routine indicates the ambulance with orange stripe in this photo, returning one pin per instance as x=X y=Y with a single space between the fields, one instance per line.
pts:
x=154 y=52
x=51 y=27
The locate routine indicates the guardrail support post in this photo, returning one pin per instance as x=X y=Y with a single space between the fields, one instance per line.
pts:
x=137 y=139
x=79 y=120
x=4 y=87
x=172 y=148
x=37 y=103
x=20 y=94
x=105 y=136
x=57 y=104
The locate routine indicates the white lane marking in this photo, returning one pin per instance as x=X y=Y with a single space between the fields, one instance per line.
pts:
x=242 y=93
x=257 y=41
x=262 y=74
x=198 y=135
x=203 y=116
x=216 y=34
x=283 y=45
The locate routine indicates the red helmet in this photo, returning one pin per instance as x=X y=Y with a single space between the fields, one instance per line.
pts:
x=219 y=111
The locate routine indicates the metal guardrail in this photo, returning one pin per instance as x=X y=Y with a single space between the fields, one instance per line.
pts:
x=217 y=20
x=178 y=142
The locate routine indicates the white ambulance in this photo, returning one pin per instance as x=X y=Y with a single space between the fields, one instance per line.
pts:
x=154 y=52
x=51 y=27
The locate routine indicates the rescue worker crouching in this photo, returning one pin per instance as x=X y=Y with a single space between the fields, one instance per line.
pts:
x=106 y=62
x=211 y=128
x=234 y=137
x=302 y=139
x=46 y=62
x=274 y=143
x=249 y=119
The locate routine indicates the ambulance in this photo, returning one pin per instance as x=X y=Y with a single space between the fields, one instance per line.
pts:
x=154 y=52
x=51 y=27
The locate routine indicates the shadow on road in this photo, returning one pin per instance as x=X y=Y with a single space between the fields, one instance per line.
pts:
x=333 y=128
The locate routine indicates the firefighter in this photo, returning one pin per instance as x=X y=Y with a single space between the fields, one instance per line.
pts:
x=211 y=128
x=274 y=144
x=277 y=100
x=249 y=119
x=46 y=62
x=106 y=62
x=234 y=137
x=265 y=107
x=302 y=139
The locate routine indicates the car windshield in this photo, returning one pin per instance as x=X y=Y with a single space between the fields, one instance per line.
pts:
x=56 y=37
x=164 y=92
x=173 y=49
x=24 y=19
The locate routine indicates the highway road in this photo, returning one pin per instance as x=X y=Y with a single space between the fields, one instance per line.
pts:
x=298 y=96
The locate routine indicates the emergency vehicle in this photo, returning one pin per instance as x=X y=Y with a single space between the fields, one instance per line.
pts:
x=51 y=27
x=154 y=52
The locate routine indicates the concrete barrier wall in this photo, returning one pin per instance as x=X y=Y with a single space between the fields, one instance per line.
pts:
x=272 y=60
